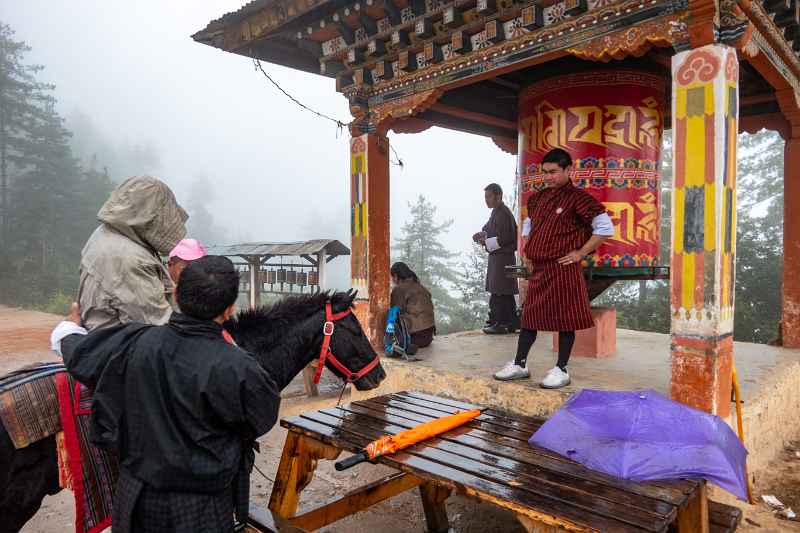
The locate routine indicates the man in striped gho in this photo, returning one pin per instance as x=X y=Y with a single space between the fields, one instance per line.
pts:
x=564 y=224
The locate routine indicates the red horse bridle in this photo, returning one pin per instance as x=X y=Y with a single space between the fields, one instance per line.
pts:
x=325 y=352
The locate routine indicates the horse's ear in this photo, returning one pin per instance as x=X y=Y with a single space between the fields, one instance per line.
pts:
x=351 y=296
x=343 y=300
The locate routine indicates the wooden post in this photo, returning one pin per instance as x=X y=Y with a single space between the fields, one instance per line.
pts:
x=532 y=526
x=369 y=196
x=358 y=500
x=433 y=503
x=704 y=124
x=322 y=261
x=298 y=462
x=255 y=288
x=790 y=312
x=791 y=244
x=693 y=517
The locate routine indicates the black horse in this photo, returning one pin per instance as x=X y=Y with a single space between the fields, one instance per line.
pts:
x=284 y=338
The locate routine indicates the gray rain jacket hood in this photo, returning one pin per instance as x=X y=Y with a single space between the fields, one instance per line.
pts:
x=122 y=277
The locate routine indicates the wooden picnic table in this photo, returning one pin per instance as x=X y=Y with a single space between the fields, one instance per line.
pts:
x=489 y=459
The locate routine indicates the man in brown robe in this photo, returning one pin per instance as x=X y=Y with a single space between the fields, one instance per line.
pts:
x=499 y=237
x=564 y=224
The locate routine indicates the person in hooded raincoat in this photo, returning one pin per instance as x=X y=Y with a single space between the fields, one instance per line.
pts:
x=122 y=278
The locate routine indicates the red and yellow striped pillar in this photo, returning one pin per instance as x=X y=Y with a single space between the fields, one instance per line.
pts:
x=705 y=110
x=369 y=230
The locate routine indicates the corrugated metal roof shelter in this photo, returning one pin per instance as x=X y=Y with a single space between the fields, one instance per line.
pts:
x=282 y=267
x=332 y=248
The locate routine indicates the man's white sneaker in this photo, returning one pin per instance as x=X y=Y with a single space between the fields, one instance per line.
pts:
x=512 y=371
x=555 y=379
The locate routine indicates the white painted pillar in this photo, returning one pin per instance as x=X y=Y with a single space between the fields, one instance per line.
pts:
x=255 y=290
x=322 y=261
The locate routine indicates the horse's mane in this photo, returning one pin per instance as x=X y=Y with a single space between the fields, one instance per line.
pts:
x=260 y=327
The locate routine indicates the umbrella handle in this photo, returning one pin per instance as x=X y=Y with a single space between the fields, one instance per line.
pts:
x=353 y=460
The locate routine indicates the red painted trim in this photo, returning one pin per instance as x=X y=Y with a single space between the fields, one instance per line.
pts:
x=680 y=152
x=676 y=273
x=74 y=461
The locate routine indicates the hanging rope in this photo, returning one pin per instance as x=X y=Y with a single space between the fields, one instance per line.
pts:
x=399 y=162
x=339 y=124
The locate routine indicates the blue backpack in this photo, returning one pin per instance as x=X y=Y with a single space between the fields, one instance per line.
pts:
x=397 y=339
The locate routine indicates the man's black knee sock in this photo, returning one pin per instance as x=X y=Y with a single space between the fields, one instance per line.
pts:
x=566 y=339
x=526 y=339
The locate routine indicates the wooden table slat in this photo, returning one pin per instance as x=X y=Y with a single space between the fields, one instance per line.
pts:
x=514 y=421
x=506 y=423
x=515 y=498
x=439 y=399
x=485 y=423
x=538 y=456
x=593 y=497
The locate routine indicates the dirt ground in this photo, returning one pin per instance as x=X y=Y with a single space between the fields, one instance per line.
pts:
x=24 y=339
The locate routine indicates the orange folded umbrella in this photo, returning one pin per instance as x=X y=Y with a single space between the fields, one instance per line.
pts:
x=394 y=443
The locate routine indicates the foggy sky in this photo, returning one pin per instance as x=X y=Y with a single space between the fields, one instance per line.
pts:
x=279 y=172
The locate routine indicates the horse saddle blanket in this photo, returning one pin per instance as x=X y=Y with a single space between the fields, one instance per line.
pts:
x=29 y=403
x=92 y=472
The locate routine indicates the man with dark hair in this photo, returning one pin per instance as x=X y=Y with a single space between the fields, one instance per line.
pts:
x=564 y=224
x=180 y=405
x=499 y=237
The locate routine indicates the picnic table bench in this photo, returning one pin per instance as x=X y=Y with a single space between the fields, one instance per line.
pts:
x=489 y=459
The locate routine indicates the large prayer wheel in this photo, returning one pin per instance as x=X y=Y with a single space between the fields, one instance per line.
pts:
x=611 y=123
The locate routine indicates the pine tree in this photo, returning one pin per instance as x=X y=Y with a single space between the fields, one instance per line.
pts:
x=420 y=247
x=759 y=243
x=49 y=203
x=473 y=301
x=21 y=96
x=45 y=213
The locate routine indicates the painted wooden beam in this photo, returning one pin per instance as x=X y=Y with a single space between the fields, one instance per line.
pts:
x=473 y=116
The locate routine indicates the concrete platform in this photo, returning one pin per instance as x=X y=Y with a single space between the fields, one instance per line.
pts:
x=461 y=366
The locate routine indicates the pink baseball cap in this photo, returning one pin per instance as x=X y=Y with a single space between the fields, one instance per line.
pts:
x=188 y=250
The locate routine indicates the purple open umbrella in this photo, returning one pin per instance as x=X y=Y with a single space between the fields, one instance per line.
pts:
x=641 y=435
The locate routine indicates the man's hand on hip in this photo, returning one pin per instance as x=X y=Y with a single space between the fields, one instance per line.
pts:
x=573 y=257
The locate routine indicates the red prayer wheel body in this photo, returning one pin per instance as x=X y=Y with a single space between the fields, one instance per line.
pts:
x=611 y=123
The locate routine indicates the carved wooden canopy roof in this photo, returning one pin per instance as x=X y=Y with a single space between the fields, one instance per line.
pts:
x=395 y=59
